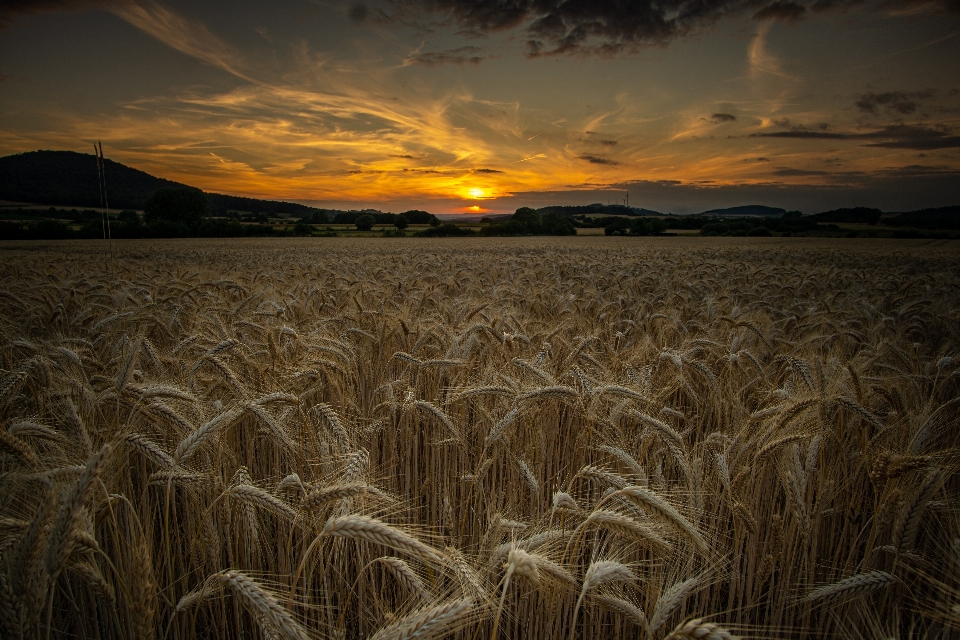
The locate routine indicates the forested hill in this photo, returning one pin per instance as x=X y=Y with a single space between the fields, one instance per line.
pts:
x=67 y=178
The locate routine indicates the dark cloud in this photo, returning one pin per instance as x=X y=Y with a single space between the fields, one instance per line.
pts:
x=598 y=160
x=9 y=9
x=901 y=136
x=359 y=13
x=786 y=172
x=785 y=11
x=786 y=123
x=404 y=155
x=915 y=137
x=896 y=101
x=596 y=26
x=588 y=137
x=762 y=160
x=804 y=133
x=950 y=6
x=460 y=55
x=607 y=27
x=487 y=171
x=722 y=117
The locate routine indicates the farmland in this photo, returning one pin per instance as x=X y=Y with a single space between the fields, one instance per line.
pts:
x=522 y=438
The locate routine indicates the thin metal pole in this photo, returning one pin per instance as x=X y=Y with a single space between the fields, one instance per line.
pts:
x=103 y=219
x=103 y=171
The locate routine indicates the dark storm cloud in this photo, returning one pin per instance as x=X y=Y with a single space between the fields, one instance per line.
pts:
x=598 y=160
x=460 y=55
x=896 y=101
x=722 y=117
x=899 y=136
x=785 y=11
x=610 y=26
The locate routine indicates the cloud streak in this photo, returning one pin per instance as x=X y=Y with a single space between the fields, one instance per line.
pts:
x=460 y=55
x=915 y=137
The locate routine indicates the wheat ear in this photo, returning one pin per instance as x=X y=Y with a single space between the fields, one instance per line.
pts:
x=654 y=503
x=599 y=573
x=62 y=540
x=372 y=530
x=670 y=600
x=854 y=586
x=262 y=602
x=405 y=576
x=316 y=498
x=441 y=417
x=626 y=527
x=701 y=631
x=256 y=496
x=150 y=450
x=142 y=591
x=429 y=623
x=626 y=609
x=189 y=445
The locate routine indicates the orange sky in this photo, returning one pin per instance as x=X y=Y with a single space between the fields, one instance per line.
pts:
x=301 y=102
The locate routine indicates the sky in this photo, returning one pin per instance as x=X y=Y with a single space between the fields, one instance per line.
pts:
x=483 y=106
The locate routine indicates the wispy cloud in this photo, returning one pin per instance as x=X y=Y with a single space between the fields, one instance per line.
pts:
x=178 y=33
x=460 y=55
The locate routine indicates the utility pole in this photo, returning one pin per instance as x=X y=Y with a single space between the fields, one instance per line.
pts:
x=104 y=202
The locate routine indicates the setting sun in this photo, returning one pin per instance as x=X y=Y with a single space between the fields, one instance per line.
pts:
x=476 y=193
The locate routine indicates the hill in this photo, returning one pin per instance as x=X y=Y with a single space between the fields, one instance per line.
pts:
x=606 y=209
x=861 y=215
x=67 y=178
x=747 y=210
x=939 y=218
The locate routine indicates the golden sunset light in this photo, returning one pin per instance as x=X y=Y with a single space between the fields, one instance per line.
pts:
x=313 y=104
x=480 y=319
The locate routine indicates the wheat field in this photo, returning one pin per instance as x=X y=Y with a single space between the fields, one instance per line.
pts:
x=570 y=438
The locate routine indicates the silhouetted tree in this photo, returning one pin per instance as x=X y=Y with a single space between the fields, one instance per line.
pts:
x=365 y=222
x=302 y=229
x=177 y=205
x=401 y=222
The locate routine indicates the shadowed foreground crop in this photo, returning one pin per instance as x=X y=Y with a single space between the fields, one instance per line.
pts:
x=539 y=440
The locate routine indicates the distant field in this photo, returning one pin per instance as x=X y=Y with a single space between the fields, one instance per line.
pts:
x=577 y=437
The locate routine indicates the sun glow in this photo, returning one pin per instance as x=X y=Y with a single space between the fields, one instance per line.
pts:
x=477 y=193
